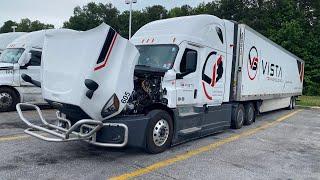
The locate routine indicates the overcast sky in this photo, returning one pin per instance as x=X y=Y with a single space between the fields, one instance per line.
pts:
x=57 y=11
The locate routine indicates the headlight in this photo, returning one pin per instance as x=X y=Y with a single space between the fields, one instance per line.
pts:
x=112 y=106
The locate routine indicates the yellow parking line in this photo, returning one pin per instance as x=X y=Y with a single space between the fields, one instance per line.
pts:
x=200 y=150
x=13 y=137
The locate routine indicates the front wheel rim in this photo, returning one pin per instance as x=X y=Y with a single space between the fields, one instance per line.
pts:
x=6 y=100
x=160 y=132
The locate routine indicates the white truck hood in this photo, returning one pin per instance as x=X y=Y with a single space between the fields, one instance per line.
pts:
x=100 y=55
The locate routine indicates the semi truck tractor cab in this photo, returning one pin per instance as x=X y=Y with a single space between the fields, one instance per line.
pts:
x=176 y=80
x=22 y=56
x=7 y=38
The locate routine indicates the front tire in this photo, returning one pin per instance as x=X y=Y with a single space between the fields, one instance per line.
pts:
x=237 y=118
x=159 y=131
x=8 y=99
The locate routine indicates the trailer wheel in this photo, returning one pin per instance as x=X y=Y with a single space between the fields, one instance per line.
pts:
x=238 y=116
x=159 y=131
x=250 y=115
x=8 y=99
x=292 y=103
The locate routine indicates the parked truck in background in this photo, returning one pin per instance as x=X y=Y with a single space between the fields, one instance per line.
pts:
x=7 y=38
x=21 y=56
x=177 y=79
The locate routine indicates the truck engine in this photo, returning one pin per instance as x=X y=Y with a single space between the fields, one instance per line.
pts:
x=147 y=91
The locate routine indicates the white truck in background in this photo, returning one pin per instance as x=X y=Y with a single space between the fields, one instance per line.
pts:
x=7 y=38
x=21 y=56
x=177 y=79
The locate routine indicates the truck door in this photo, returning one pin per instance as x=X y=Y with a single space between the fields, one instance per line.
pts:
x=187 y=78
x=32 y=68
x=213 y=77
x=216 y=115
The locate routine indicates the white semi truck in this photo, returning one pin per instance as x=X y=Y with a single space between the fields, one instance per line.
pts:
x=177 y=79
x=7 y=38
x=21 y=56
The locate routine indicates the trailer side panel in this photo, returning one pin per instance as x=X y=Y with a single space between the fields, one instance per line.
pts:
x=266 y=70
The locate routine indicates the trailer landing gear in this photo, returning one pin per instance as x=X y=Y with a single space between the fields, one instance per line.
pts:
x=159 y=132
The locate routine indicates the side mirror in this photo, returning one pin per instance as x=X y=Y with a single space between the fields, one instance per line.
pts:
x=28 y=79
x=25 y=60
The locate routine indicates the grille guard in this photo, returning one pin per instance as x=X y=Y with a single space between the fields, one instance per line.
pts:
x=69 y=133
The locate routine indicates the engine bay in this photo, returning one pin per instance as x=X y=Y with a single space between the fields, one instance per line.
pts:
x=147 y=91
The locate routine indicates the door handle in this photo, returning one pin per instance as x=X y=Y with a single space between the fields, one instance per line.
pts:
x=195 y=93
x=206 y=108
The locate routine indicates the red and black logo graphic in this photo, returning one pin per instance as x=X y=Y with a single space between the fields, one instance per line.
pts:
x=217 y=72
x=106 y=49
x=253 y=63
x=301 y=69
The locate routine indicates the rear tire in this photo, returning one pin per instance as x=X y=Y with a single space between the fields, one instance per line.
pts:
x=237 y=118
x=8 y=99
x=159 y=131
x=292 y=103
x=250 y=115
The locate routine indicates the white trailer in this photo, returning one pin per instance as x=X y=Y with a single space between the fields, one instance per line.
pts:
x=7 y=38
x=21 y=56
x=185 y=78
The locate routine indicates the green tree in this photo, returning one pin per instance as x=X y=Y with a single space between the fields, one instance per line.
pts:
x=184 y=10
x=92 y=15
x=7 y=26
x=25 y=25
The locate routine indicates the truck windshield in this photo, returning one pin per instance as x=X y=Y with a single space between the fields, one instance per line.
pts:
x=157 y=56
x=11 y=55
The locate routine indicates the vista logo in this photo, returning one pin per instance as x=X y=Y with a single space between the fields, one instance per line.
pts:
x=268 y=69
x=253 y=62
x=271 y=69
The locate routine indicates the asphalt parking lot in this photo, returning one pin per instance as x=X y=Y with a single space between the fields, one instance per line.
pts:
x=280 y=145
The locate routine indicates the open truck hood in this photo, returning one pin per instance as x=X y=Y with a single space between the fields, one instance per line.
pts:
x=100 y=55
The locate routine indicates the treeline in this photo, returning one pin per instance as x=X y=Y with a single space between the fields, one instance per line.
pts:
x=294 y=24
x=25 y=25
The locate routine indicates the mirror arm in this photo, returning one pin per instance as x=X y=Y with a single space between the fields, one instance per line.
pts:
x=24 y=67
x=181 y=75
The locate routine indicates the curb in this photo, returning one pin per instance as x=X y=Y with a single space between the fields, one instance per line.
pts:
x=308 y=107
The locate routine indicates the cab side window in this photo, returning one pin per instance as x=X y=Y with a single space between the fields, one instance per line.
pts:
x=188 y=63
x=220 y=34
x=35 y=58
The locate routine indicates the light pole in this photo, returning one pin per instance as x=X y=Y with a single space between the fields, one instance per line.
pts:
x=130 y=16
x=14 y=28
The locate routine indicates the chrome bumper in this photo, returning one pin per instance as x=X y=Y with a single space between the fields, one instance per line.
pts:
x=85 y=129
